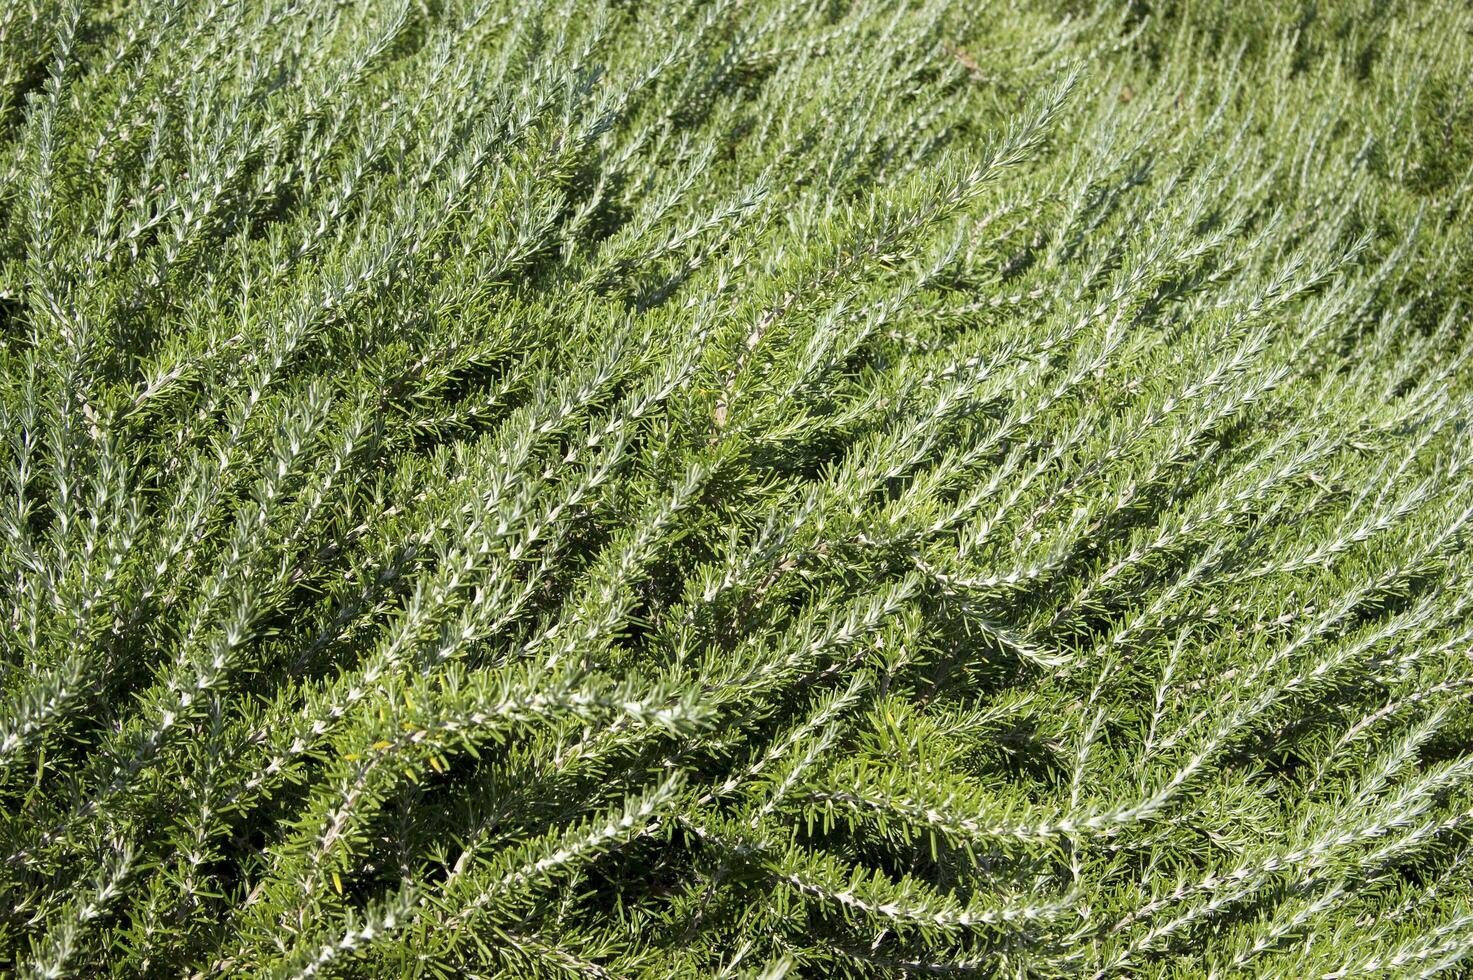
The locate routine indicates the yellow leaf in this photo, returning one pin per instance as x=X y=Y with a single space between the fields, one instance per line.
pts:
x=381 y=745
x=337 y=882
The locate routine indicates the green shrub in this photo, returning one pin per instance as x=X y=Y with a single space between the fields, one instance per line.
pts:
x=735 y=488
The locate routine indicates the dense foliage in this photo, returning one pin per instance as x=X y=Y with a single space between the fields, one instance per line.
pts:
x=735 y=488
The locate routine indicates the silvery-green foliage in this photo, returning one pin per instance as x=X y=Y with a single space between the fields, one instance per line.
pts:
x=735 y=488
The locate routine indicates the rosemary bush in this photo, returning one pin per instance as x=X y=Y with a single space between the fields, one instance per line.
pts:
x=735 y=488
